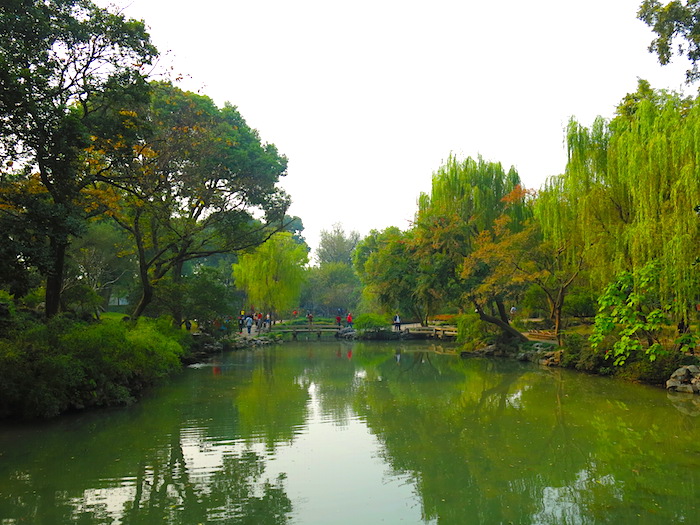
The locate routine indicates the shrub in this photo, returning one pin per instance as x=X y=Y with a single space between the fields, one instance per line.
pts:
x=62 y=365
x=572 y=347
x=639 y=368
x=371 y=322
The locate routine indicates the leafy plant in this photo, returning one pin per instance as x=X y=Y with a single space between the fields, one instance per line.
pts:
x=631 y=308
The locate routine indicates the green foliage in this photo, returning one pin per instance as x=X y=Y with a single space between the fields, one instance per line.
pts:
x=49 y=368
x=642 y=370
x=473 y=333
x=675 y=20
x=572 y=346
x=100 y=260
x=82 y=299
x=370 y=322
x=203 y=294
x=456 y=240
x=632 y=185
x=63 y=63
x=272 y=275
x=630 y=307
x=335 y=246
x=7 y=305
x=395 y=274
x=533 y=303
x=580 y=302
x=330 y=286
x=200 y=183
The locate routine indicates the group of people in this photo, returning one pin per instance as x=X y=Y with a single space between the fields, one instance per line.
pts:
x=254 y=319
x=264 y=322
x=348 y=320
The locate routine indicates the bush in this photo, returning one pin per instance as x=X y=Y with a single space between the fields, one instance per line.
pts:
x=639 y=368
x=573 y=345
x=371 y=322
x=62 y=365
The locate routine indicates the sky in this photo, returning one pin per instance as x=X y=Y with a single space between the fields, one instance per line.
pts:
x=368 y=98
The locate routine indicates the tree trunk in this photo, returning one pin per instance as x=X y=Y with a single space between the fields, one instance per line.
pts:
x=177 y=307
x=558 y=307
x=146 y=285
x=502 y=311
x=507 y=328
x=54 y=279
x=144 y=301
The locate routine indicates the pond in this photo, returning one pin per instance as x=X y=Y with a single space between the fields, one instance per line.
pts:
x=363 y=433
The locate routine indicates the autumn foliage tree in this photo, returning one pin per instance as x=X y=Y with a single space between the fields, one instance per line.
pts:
x=465 y=202
x=198 y=182
x=57 y=59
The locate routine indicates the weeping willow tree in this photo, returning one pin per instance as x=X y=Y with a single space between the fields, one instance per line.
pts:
x=466 y=199
x=634 y=185
x=272 y=275
x=556 y=260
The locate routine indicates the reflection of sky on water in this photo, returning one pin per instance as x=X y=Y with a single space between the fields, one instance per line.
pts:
x=338 y=465
x=332 y=472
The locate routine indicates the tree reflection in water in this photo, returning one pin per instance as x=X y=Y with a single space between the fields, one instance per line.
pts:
x=476 y=441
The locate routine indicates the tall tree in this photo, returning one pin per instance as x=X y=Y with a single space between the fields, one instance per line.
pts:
x=57 y=57
x=465 y=200
x=200 y=182
x=335 y=246
x=634 y=184
x=273 y=273
x=329 y=287
x=671 y=22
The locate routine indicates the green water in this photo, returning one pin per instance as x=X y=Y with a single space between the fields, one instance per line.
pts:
x=331 y=433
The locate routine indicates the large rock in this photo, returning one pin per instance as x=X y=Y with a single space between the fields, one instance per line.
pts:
x=685 y=379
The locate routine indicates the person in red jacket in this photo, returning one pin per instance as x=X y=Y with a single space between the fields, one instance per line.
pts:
x=349 y=320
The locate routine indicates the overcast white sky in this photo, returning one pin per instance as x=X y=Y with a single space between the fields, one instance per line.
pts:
x=368 y=97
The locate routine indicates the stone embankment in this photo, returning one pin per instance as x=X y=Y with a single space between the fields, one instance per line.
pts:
x=540 y=353
x=685 y=379
x=206 y=346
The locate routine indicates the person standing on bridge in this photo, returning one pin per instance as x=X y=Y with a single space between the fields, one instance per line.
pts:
x=397 y=323
x=348 y=319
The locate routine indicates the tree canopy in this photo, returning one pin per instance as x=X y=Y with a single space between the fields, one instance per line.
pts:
x=272 y=274
x=199 y=182
x=676 y=24
x=62 y=62
x=335 y=246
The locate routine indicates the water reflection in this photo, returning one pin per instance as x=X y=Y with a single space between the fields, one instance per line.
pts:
x=361 y=433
